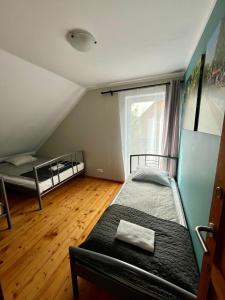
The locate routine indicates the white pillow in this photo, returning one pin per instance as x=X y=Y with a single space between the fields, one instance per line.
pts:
x=19 y=160
x=152 y=175
x=55 y=168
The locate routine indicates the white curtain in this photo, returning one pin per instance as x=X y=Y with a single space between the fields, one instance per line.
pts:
x=123 y=108
x=141 y=122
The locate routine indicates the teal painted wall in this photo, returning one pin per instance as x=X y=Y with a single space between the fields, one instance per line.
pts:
x=199 y=153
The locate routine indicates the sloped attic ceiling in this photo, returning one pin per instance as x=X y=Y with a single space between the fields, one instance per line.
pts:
x=33 y=101
x=135 y=38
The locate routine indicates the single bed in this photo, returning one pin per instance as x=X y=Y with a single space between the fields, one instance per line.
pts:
x=171 y=273
x=43 y=174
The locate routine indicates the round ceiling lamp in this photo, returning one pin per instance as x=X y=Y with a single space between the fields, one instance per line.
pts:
x=81 y=40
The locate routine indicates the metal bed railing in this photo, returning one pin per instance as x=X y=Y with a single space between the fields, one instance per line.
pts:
x=80 y=257
x=69 y=159
x=151 y=160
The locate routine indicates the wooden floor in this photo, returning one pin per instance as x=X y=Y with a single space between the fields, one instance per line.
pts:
x=34 y=262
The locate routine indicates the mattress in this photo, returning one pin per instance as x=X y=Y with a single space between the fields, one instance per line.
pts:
x=153 y=199
x=15 y=174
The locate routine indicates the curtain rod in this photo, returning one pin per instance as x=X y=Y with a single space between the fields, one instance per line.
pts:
x=111 y=92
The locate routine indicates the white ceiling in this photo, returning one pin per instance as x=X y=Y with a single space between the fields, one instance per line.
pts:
x=135 y=38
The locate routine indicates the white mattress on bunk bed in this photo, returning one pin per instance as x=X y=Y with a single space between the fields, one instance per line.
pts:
x=12 y=174
x=157 y=200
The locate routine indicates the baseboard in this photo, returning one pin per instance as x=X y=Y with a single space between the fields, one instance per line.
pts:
x=113 y=180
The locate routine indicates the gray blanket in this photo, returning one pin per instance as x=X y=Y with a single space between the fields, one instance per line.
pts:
x=173 y=258
x=151 y=198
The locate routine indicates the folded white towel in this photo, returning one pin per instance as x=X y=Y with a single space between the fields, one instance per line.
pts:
x=54 y=168
x=136 y=235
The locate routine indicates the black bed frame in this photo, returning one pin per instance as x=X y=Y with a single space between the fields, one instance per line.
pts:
x=79 y=258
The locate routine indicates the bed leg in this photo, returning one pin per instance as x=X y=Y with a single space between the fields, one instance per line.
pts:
x=75 y=286
x=8 y=215
x=40 y=201
x=37 y=186
x=73 y=274
x=9 y=220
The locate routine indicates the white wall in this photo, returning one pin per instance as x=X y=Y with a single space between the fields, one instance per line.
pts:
x=93 y=126
x=33 y=101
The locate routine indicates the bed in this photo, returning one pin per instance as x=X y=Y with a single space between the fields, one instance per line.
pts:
x=43 y=174
x=171 y=273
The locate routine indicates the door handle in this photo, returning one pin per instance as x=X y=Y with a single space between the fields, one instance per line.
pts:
x=199 y=229
x=219 y=192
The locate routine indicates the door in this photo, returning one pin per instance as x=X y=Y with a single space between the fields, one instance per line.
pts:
x=212 y=278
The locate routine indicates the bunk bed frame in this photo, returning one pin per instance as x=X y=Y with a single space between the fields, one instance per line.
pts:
x=79 y=258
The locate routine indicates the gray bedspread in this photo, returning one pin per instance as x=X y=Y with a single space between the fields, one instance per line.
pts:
x=151 y=198
x=173 y=258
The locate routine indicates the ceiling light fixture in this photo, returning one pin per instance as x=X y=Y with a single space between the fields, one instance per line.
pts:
x=81 y=40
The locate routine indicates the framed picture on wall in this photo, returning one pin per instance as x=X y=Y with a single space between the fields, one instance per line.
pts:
x=213 y=86
x=192 y=96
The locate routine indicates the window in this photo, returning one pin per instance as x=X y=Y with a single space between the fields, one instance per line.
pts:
x=143 y=117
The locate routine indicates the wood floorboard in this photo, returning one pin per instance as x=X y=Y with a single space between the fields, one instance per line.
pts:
x=34 y=261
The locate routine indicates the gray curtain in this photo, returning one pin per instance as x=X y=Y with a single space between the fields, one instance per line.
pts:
x=171 y=125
